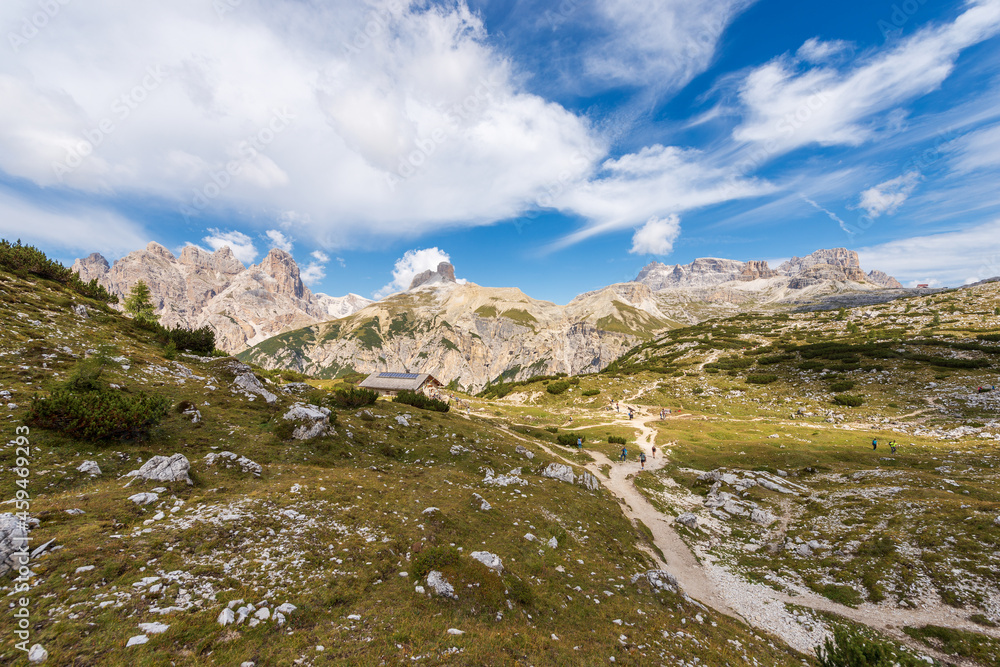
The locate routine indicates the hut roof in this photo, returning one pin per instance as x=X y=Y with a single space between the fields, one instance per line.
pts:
x=396 y=381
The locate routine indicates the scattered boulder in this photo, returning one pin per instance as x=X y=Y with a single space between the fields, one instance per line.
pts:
x=403 y=420
x=762 y=517
x=492 y=479
x=483 y=505
x=135 y=641
x=771 y=486
x=455 y=631
x=530 y=537
x=996 y=521
x=144 y=498
x=248 y=384
x=488 y=559
x=230 y=460
x=439 y=585
x=553 y=543
x=559 y=471
x=154 y=628
x=37 y=653
x=523 y=451
x=164 y=469
x=13 y=536
x=80 y=310
x=590 y=482
x=90 y=468
x=313 y=420
x=659 y=579
x=687 y=519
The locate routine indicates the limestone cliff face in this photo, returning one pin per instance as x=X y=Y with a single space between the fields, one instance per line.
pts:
x=702 y=272
x=844 y=264
x=756 y=269
x=244 y=306
x=471 y=334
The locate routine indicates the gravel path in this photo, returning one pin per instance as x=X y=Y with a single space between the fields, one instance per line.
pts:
x=759 y=606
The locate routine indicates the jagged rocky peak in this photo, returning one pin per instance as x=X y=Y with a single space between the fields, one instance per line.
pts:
x=91 y=267
x=840 y=257
x=222 y=260
x=281 y=266
x=702 y=272
x=445 y=273
x=154 y=248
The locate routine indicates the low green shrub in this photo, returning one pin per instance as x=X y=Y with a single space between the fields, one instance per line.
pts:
x=100 y=414
x=591 y=392
x=568 y=439
x=852 y=649
x=850 y=400
x=557 y=387
x=353 y=397
x=418 y=400
x=761 y=378
x=434 y=558
x=617 y=440
x=843 y=385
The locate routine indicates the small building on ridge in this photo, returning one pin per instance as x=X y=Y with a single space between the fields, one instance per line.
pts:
x=390 y=383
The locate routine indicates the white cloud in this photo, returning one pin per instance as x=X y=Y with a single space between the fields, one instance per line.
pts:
x=817 y=51
x=73 y=230
x=313 y=273
x=976 y=150
x=320 y=256
x=887 y=197
x=410 y=264
x=241 y=244
x=274 y=109
x=656 y=182
x=659 y=44
x=279 y=240
x=947 y=258
x=657 y=236
x=787 y=106
x=343 y=264
x=830 y=214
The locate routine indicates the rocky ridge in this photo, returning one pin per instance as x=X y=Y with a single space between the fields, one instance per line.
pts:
x=471 y=334
x=242 y=305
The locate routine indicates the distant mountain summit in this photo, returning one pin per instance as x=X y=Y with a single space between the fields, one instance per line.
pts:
x=831 y=267
x=243 y=305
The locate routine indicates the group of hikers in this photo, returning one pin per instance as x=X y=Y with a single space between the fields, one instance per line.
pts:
x=892 y=445
x=623 y=457
x=983 y=390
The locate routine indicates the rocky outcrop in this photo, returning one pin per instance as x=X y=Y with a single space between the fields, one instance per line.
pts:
x=243 y=305
x=445 y=273
x=832 y=264
x=883 y=279
x=164 y=469
x=755 y=269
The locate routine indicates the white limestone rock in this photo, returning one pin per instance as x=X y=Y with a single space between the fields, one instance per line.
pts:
x=440 y=586
x=90 y=468
x=165 y=469
x=559 y=471
x=488 y=559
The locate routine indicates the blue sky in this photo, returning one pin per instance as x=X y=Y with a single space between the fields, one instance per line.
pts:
x=553 y=146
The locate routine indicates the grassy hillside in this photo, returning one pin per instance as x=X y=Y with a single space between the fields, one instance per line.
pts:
x=340 y=526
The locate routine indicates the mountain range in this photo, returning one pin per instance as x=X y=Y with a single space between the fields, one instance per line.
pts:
x=242 y=305
x=460 y=331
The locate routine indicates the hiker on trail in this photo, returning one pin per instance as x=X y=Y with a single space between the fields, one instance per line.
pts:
x=630 y=413
x=654 y=451
x=617 y=407
x=642 y=460
x=892 y=446
x=624 y=454
x=579 y=443
x=874 y=444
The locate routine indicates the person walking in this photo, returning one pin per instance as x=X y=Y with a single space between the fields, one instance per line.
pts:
x=892 y=446
x=579 y=443
x=654 y=451
x=642 y=460
x=624 y=454
x=874 y=444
